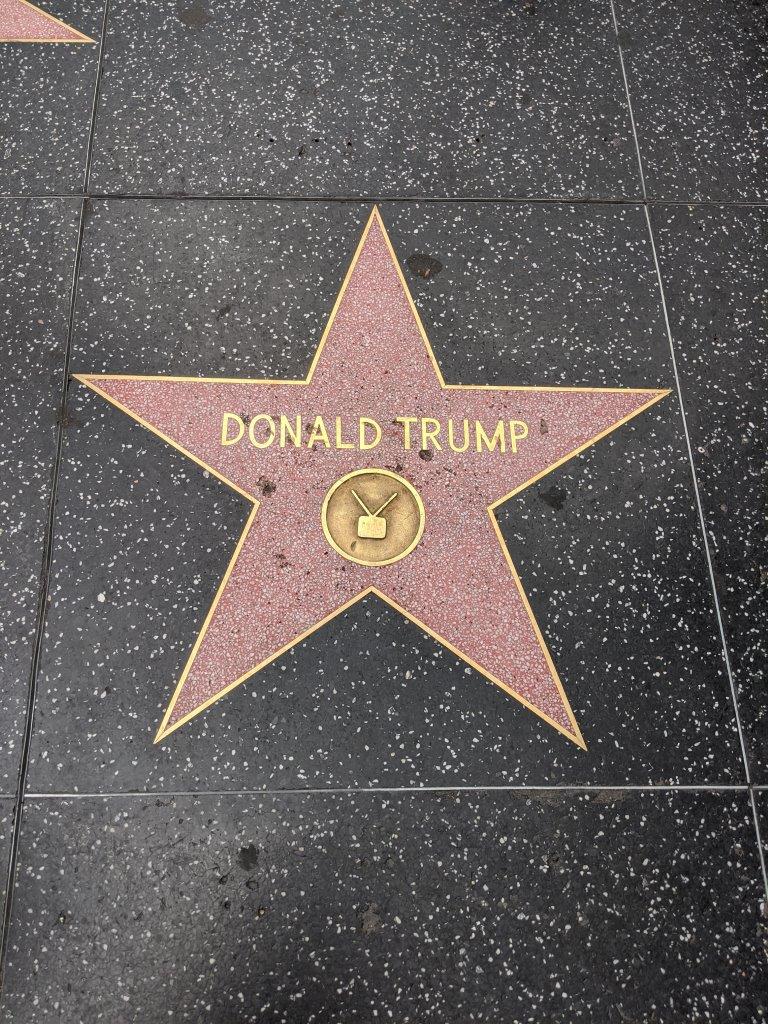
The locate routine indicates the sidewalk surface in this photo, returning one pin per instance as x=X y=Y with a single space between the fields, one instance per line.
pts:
x=368 y=829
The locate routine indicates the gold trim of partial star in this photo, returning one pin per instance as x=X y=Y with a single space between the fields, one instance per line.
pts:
x=81 y=38
x=654 y=395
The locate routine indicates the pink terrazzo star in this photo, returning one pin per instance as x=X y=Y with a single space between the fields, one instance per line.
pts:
x=22 y=22
x=285 y=579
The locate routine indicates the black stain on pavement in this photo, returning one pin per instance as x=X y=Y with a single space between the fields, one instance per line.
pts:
x=195 y=16
x=555 y=497
x=424 y=266
x=248 y=857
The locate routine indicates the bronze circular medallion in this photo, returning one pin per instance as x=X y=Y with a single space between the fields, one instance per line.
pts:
x=373 y=517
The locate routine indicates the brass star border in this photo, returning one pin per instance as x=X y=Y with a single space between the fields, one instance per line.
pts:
x=113 y=388
x=24 y=22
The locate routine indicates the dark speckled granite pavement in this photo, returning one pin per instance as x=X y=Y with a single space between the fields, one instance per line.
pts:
x=368 y=830
x=47 y=106
x=38 y=241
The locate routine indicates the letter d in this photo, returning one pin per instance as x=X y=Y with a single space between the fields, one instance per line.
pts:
x=365 y=444
x=231 y=417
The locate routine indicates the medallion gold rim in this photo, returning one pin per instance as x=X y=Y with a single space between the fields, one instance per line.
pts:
x=393 y=476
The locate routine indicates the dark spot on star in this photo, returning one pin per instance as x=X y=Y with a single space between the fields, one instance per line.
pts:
x=543 y=428
x=266 y=486
x=426 y=454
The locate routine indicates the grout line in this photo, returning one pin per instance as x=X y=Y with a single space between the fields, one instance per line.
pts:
x=408 y=790
x=42 y=607
x=629 y=102
x=96 y=97
x=368 y=199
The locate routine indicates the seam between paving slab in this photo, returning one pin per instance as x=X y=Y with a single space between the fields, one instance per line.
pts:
x=367 y=198
x=407 y=790
x=49 y=535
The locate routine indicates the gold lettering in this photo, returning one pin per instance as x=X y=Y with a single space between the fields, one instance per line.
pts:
x=516 y=435
x=481 y=438
x=451 y=441
x=406 y=422
x=265 y=430
x=318 y=433
x=227 y=418
x=341 y=445
x=429 y=433
x=286 y=431
x=366 y=445
x=270 y=430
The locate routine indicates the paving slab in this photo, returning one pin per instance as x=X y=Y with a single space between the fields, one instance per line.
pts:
x=48 y=96
x=521 y=906
x=363 y=99
x=696 y=73
x=608 y=547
